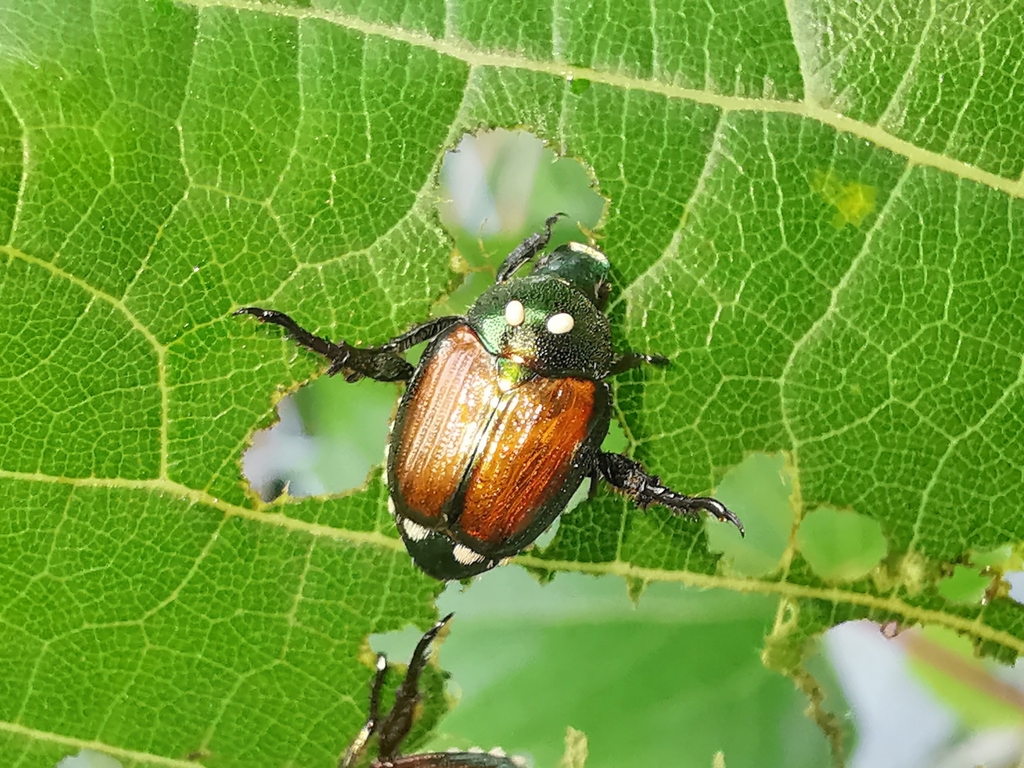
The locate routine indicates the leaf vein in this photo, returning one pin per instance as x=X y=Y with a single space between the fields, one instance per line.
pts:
x=463 y=52
x=260 y=514
x=128 y=755
x=158 y=348
x=783 y=589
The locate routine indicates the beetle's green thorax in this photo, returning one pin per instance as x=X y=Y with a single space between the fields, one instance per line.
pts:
x=551 y=322
x=586 y=269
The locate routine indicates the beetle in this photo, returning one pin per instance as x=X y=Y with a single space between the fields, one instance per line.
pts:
x=392 y=729
x=504 y=415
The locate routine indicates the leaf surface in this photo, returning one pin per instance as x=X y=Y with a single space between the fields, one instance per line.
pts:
x=815 y=214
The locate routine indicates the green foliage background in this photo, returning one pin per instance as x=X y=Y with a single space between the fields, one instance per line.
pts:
x=815 y=212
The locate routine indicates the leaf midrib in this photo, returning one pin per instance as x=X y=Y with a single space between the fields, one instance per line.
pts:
x=274 y=514
x=128 y=755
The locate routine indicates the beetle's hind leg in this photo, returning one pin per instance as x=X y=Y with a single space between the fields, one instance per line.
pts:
x=381 y=363
x=629 y=477
x=526 y=250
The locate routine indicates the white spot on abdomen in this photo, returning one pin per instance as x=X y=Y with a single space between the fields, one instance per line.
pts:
x=414 y=531
x=465 y=555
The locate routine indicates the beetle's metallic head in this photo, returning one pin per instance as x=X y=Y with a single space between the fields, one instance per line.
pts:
x=551 y=322
x=586 y=269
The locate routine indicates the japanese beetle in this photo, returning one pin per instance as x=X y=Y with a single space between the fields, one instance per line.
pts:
x=503 y=418
x=392 y=729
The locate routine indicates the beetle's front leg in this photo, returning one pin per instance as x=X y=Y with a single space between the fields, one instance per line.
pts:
x=380 y=363
x=526 y=250
x=629 y=477
x=631 y=360
x=419 y=333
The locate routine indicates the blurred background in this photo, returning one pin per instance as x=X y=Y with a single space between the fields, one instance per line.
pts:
x=677 y=677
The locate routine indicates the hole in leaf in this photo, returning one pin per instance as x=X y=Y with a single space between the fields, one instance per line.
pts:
x=898 y=722
x=966 y=585
x=88 y=758
x=759 y=491
x=1002 y=558
x=497 y=187
x=974 y=688
x=1016 y=582
x=840 y=545
x=642 y=668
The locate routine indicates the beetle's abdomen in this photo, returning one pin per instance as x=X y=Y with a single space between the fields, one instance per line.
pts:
x=526 y=458
x=443 y=423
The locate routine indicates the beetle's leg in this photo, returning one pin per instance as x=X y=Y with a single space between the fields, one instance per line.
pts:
x=630 y=478
x=420 y=333
x=302 y=337
x=358 y=746
x=631 y=360
x=595 y=475
x=526 y=250
x=385 y=363
x=381 y=363
x=398 y=722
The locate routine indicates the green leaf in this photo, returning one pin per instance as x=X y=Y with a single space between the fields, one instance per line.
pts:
x=815 y=214
x=667 y=682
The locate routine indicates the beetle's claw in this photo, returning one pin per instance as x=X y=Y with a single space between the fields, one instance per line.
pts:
x=720 y=511
x=653 y=492
x=715 y=507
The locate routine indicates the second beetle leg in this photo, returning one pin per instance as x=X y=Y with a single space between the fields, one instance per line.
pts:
x=358 y=746
x=629 y=477
x=396 y=726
